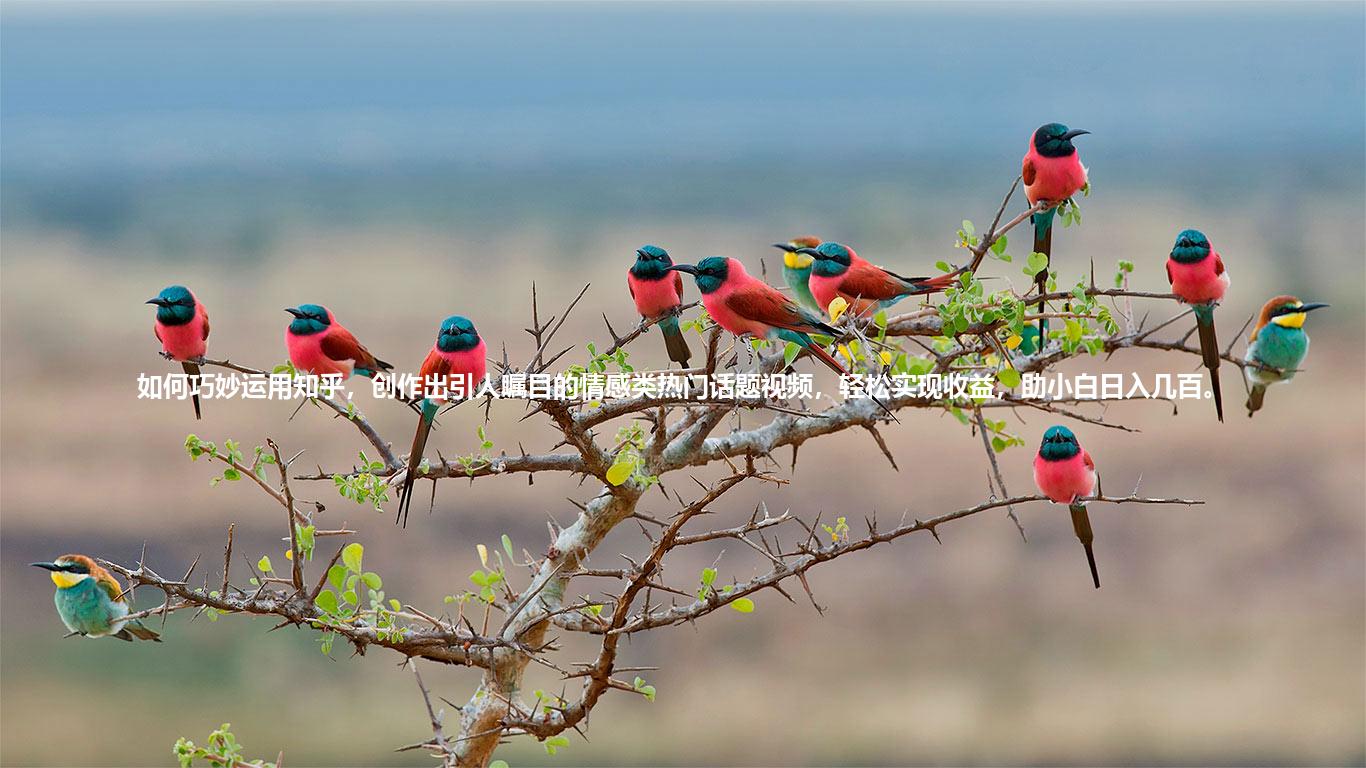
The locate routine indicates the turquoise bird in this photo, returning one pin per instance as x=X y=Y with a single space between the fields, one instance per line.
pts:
x=1276 y=346
x=797 y=270
x=91 y=602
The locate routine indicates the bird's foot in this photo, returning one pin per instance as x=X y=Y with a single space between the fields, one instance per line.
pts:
x=166 y=355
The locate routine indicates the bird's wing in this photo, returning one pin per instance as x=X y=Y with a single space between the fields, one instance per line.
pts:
x=1218 y=264
x=763 y=304
x=110 y=585
x=630 y=287
x=872 y=282
x=1169 y=273
x=156 y=331
x=678 y=285
x=1027 y=171
x=1086 y=458
x=339 y=344
x=206 y=322
x=435 y=366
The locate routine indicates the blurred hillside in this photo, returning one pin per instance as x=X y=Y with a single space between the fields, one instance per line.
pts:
x=401 y=164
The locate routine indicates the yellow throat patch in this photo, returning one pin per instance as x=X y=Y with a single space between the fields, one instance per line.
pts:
x=66 y=580
x=797 y=260
x=1292 y=320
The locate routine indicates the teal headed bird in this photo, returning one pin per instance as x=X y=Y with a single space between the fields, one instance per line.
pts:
x=1276 y=346
x=1052 y=172
x=91 y=602
x=797 y=270
x=1198 y=277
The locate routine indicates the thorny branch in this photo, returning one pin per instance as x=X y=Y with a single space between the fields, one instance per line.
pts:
x=684 y=434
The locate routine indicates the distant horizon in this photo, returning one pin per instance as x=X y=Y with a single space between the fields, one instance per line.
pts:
x=171 y=87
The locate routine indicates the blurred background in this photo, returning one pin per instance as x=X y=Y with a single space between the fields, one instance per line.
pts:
x=399 y=163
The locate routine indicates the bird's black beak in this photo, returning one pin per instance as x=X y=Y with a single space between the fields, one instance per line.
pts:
x=1312 y=307
x=809 y=251
x=789 y=247
x=160 y=302
x=690 y=269
x=641 y=253
x=47 y=566
x=1073 y=134
x=294 y=311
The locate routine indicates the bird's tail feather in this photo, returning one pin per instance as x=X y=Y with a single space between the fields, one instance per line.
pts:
x=136 y=629
x=1209 y=351
x=1254 y=399
x=1081 y=525
x=1043 y=243
x=193 y=370
x=424 y=428
x=674 y=341
x=825 y=357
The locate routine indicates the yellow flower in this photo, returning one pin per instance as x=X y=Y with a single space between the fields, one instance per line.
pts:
x=836 y=308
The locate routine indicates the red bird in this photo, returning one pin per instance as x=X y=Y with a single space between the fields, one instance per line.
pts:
x=182 y=327
x=319 y=345
x=838 y=271
x=1196 y=272
x=1066 y=474
x=742 y=303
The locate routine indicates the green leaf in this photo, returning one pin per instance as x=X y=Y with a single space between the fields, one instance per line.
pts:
x=1036 y=263
x=708 y=576
x=349 y=596
x=620 y=471
x=790 y=353
x=1009 y=377
x=999 y=247
x=743 y=605
x=480 y=578
x=371 y=580
x=326 y=601
x=264 y=563
x=507 y=547
x=336 y=575
x=498 y=764
x=351 y=556
x=968 y=228
x=648 y=691
x=231 y=474
x=942 y=266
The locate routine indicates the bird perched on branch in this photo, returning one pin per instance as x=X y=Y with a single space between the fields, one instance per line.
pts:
x=1052 y=172
x=742 y=303
x=838 y=271
x=658 y=294
x=1066 y=474
x=1276 y=346
x=318 y=344
x=1197 y=276
x=455 y=366
x=797 y=270
x=182 y=327
x=91 y=602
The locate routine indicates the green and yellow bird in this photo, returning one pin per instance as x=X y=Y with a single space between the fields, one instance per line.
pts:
x=1276 y=346
x=91 y=602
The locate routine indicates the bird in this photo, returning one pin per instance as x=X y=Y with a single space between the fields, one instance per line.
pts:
x=1052 y=172
x=458 y=357
x=1065 y=473
x=838 y=271
x=1197 y=276
x=742 y=303
x=797 y=270
x=319 y=345
x=1276 y=346
x=91 y=602
x=182 y=327
x=658 y=295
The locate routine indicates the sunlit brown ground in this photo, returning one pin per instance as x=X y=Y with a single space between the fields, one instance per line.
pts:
x=1230 y=632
